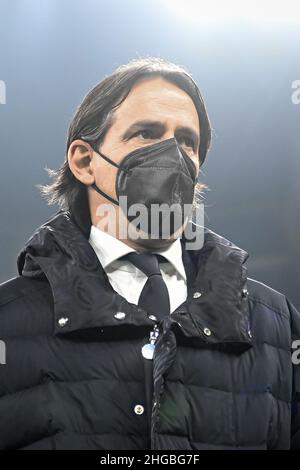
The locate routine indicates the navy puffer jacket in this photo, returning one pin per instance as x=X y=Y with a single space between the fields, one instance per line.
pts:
x=222 y=375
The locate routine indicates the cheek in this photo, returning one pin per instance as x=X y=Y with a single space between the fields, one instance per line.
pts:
x=195 y=160
x=105 y=176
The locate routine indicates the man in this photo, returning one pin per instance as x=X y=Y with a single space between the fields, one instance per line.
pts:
x=137 y=341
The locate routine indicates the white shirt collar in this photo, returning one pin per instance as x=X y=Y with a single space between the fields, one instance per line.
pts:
x=109 y=249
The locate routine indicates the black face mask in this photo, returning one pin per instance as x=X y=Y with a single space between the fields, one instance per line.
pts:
x=161 y=173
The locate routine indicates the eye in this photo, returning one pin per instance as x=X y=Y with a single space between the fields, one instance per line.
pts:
x=145 y=133
x=188 y=142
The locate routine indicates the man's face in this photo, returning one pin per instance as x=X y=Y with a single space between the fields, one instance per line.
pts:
x=154 y=110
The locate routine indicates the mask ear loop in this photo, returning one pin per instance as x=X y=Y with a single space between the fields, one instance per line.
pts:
x=114 y=201
x=94 y=186
x=108 y=159
x=189 y=163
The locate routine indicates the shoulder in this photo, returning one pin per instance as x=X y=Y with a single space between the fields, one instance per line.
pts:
x=263 y=295
x=273 y=312
x=25 y=306
x=19 y=286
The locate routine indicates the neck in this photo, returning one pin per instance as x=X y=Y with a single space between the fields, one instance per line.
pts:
x=109 y=218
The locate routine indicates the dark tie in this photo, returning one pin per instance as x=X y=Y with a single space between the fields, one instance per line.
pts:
x=154 y=297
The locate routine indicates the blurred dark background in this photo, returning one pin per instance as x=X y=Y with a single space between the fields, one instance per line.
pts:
x=53 y=51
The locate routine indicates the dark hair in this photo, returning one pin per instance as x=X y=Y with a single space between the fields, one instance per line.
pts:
x=95 y=116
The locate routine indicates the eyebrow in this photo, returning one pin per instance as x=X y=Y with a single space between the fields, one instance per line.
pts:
x=158 y=126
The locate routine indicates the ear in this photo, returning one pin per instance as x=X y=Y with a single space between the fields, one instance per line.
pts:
x=80 y=155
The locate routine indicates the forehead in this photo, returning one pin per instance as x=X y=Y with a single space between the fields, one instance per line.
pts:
x=156 y=98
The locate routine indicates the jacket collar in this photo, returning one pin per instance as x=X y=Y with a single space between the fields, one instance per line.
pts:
x=84 y=298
